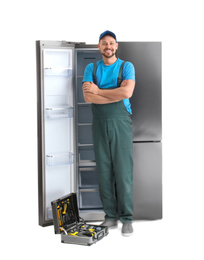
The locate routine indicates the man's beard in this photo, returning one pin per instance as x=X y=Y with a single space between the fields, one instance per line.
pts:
x=108 y=56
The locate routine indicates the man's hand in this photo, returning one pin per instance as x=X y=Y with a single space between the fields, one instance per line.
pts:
x=90 y=87
x=124 y=83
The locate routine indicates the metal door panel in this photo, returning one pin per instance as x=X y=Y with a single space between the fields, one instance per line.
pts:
x=147 y=184
x=146 y=99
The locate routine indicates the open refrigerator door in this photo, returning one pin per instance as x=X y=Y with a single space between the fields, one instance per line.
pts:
x=57 y=127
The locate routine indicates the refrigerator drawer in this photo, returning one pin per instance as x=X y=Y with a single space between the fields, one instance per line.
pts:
x=59 y=159
x=89 y=199
x=88 y=177
x=85 y=134
x=84 y=114
x=59 y=112
x=86 y=153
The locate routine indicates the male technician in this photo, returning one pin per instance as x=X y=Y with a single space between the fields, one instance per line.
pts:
x=112 y=131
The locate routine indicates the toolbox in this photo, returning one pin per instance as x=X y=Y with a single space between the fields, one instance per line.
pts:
x=73 y=229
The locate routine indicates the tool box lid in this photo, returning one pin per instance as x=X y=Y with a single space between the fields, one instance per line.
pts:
x=65 y=212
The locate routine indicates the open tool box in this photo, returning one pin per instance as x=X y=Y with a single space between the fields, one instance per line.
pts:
x=72 y=228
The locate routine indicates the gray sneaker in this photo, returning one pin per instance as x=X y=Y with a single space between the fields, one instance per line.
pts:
x=127 y=229
x=110 y=224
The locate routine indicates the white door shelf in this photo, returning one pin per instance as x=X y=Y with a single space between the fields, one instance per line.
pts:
x=59 y=112
x=68 y=72
x=59 y=159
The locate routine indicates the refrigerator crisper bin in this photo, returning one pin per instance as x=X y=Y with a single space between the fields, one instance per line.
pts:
x=59 y=112
x=89 y=199
x=59 y=159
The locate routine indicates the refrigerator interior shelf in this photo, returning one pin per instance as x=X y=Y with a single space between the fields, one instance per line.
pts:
x=83 y=103
x=89 y=188
x=81 y=145
x=59 y=112
x=58 y=72
x=84 y=163
x=84 y=124
x=60 y=159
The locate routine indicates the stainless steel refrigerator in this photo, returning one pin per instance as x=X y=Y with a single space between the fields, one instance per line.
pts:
x=66 y=160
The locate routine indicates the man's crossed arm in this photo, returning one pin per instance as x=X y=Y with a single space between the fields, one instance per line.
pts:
x=93 y=94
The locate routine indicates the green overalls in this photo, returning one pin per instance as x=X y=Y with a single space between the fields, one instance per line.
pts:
x=113 y=145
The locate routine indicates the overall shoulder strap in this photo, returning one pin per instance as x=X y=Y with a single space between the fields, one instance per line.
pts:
x=120 y=74
x=94 y=73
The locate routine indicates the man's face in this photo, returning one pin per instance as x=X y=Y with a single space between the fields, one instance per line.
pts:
x=108 y=46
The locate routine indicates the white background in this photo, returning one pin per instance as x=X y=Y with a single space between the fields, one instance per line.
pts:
x=179 y=26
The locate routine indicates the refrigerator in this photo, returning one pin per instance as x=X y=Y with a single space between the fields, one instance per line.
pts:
x=66 y=161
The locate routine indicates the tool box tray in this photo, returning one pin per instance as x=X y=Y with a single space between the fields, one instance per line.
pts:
x=72 y=228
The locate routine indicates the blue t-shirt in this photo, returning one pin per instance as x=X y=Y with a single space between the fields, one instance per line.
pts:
x=107 y=76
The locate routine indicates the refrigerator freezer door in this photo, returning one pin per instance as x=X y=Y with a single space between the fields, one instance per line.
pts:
x=56 y=133
x=146 y=99
x=147 y=184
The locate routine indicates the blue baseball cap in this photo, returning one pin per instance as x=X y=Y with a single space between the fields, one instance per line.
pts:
x=107 y=33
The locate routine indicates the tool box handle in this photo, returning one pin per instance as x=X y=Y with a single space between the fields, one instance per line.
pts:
x=100 y=235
